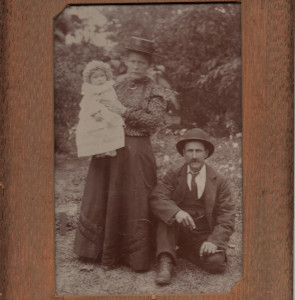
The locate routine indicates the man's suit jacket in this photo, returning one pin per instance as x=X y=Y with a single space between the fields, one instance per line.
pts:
x=219 y=205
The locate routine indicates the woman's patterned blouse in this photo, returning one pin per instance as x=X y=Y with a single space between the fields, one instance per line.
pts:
x=146 y=105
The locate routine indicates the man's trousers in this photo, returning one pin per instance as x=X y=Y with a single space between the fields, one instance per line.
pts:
x=189 y=243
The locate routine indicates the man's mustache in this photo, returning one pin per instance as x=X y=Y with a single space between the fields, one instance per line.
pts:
x=194 y=160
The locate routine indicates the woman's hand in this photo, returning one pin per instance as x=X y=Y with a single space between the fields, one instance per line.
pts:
x=97 y=116
x=120 y=110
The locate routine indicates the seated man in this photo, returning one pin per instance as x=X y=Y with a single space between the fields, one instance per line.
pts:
x=195 y=210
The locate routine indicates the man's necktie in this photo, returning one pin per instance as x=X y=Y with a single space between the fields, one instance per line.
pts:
x=194 y=186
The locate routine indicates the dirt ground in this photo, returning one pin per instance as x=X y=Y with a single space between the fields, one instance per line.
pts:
x=76 y=277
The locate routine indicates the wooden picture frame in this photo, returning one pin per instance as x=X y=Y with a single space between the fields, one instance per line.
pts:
x=27 y=154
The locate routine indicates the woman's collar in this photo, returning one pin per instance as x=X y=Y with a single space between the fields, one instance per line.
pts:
x=138 y=80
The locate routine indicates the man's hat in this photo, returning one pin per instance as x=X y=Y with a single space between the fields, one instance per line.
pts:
x=195 y=134
x=141 y=45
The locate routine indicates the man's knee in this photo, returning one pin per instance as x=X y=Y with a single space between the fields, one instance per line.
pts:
x=215 y=263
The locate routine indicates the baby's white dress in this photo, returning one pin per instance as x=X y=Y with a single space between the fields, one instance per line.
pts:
x=97 y=137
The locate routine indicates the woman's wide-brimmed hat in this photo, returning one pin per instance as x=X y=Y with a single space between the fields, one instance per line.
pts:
x=195 y=134
x=142 y=45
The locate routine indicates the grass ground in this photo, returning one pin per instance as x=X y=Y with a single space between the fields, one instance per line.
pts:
x=75 y=277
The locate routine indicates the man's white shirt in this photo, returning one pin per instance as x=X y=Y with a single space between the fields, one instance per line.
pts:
x=200 y=180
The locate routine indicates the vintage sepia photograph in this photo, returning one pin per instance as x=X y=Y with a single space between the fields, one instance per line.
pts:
x=148 y=149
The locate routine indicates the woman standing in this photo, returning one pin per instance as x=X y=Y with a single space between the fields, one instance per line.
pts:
x=115 y=224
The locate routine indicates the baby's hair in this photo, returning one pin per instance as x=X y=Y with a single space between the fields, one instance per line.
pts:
x=96 y=65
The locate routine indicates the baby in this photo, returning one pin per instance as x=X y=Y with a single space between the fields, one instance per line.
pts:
x=100 y=128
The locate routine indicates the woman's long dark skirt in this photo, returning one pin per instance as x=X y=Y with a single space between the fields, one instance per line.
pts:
x=115 y=223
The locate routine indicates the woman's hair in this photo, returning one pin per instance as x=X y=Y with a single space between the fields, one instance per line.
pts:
x=96 y=65
x=148 y=57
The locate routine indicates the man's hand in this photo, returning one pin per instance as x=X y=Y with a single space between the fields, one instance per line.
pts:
x=185 y=219
x=207 y=248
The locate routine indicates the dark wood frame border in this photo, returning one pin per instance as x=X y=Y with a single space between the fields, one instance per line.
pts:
x=27 y=160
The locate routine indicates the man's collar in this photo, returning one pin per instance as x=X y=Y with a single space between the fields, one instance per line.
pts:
x=201 y=172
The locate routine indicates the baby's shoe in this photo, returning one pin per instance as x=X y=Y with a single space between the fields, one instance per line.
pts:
x=111 y=153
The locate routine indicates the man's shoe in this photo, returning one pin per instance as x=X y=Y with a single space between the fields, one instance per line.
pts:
x=165 y=268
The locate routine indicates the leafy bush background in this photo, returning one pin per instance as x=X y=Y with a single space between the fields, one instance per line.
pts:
x=200 y=47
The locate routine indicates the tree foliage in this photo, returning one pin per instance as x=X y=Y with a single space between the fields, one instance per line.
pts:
x=200 y=47
x=69 y=63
